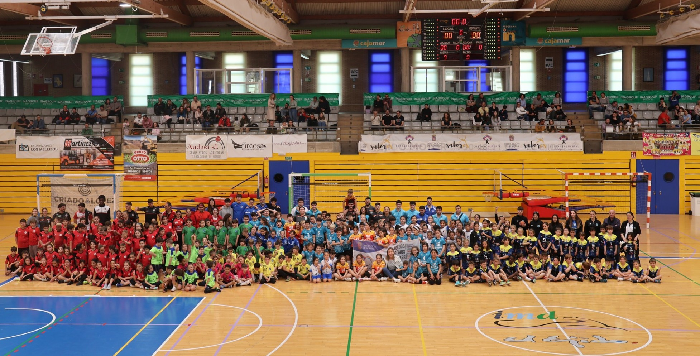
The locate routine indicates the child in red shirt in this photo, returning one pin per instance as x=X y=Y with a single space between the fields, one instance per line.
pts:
x=45 y=237
x=245 y=278
x=65 y=273
x=34 y=232
x=28 y=270
x=22 y=236
x=59 y=235
x=13 y=262
x=99 y=276
x=139 y=277
x=50 y=254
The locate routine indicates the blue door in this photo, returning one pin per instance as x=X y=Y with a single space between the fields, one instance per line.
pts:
x=664 y=186
x=279 y=179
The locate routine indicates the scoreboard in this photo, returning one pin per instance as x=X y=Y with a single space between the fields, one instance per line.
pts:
x=461 y=39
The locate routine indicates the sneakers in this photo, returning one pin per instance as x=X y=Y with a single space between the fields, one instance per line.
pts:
x=508 y=283
x=534 y=280
x=457 y=284
x=354 y=279
x=465 y=283
x=620 y=279
x=520 y=278
x=396 y=280
x=657 y=281
x=383 y=279
x=605 y=280
x=425 y=282
x=154 y=288
x=503 y=284
x=69 y=282
x=349 y=279
x=289 y=279
x=173 y=289
x=635 y=281
x=109 y=286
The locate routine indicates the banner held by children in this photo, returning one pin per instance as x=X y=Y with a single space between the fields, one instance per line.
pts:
x=87 y=153
x=370 y=249
x=141 y=157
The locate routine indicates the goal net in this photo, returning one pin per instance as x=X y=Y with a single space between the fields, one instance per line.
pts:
x=73 y=189
x=619 y=191
x=329 y=190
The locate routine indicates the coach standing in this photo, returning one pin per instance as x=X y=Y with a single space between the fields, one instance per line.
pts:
x=151 y=212
x=102 y=211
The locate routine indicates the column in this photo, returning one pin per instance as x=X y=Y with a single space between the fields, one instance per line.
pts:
x=189 y=59
x=86 y=64
x=405 y=70
x=627 y=67
x=515 y=68
x=297 y=67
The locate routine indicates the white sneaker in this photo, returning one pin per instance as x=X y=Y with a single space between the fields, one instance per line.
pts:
x=109 y=286
x=620 y=279
x=348 y=279
x=383 y=279
x=154 y=288
x=173 y=289
x=354 y=279
x=396 y=280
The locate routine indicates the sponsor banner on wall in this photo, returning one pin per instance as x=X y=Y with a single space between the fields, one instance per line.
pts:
x=7 y=134
x=283 y=144
x=45 y=102
x=72 y=192
x=695 y=143
x=370 y=249
x=513 y=33
x=539 y=42
x=650 y=96
x=459 y=99
x=87 y=153
x=526 y=142
x=38 y=147
x=140 y=157
x=203 y=147
x=408 y=34
x=666 y=144
x=369 y=43
x=248 y=100
x=249 y=146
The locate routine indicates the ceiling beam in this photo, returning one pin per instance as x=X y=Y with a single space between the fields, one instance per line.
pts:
x=153 y=7
x=183 y=7
x=33 y=10
x=410 y=5
x=578 y=14
x=531 y=4
x=287 y=9
x=75 y=10
x=652 y=7
x=633 y=4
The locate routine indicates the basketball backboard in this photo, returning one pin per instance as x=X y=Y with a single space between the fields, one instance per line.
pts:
x=47 y=42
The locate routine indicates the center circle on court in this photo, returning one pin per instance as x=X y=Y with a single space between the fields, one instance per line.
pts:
x=559 y=330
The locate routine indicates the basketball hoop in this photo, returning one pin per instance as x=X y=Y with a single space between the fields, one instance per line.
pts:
x=45 y=44
x=488 y=196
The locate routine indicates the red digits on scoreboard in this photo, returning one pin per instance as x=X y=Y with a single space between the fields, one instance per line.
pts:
x=457 y=47
x=468 y=56
x=443 y=47
x=448 y=35
x=461 y=32
x=444 y=56
x=467 y=47
x=480 y=46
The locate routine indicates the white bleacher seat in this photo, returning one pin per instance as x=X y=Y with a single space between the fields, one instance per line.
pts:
x=434 y=108
x=452 y=109
x=505 y=125
x=542 y=116
x=415 y=108
x=647 y=115
x=332 y=117
x=335 y=109
x=249 y=110
x=560 y=124
x=43 y=112
x=188 y=127
x=52 y=112
x=443 y=108
x=5 y=120
x=179 y=127
x=301 y=125
x=510 y=107
x=512 y=116
x=3 y=112
x=82 y=111
x=366 y=125
x=465 y=116
x=597 y=115
x=368 y=118
x=197 y=127
x=260 y=110
x=149 y=111
x=645 y=123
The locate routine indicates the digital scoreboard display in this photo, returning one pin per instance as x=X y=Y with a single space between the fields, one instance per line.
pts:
x=461 y=39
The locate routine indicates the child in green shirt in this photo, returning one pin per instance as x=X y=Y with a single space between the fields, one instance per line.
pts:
x=188 y=233
x=190 y=278
x=210 y=279
x=157 y=253
x=151 y=281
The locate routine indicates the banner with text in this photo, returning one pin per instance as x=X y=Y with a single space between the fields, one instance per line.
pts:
x=71 y=191
x=141 y=157
x=527 y=142
x=695 y=143
x=666 y=144
x=460 y=99
x=408 y=34
x=248 y=146
x=203 y=147
x=283 y=144
x=35 y=147
x=87 y=153
x=649 y=96
x=44 y=102
x=370 y=249
x=247 y=100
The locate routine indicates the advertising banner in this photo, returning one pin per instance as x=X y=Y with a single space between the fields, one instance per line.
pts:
x=87 y=153
x=247 y=100
x=538 y=42
x=248 y=146
x=369 y=43
x=203 y=147
x=408 y=34
x=141 y=157
x=283 y=144
x=72 y=192
x=370 y=249
x=695 y=143
x=448 y=98
x=513 y=33
x=677 y=144
x=7 y=134
x=649 y=96
x=34 y=147
x=44 y=102
x=525 y=142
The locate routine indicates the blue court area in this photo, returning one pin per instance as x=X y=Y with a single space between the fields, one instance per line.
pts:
x=89 y=325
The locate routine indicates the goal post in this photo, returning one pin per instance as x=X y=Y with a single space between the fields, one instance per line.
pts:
x=608 y=190
x=73 y=189
x=328 y=189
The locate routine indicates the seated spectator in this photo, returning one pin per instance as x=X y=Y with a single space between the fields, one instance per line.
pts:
x=480 y=99
x=181 y=113
x=138 y=121
x=664 y=120
x=116 y=109
x=477 y=120
x=378 y=104
x=398 y=121
x=21 y=124
x=426 y=114
x=607 y=127
x=662 y=104
x=550 y=126
x=219 y=112
x=614 y=119
x=522 y=100
x=87 y=130
x=593 y=104
x=224 y=122
x=63 y=116
x=483 y=110
x=674 y=100
x=170 y=108
x=155 y=131
x=569 y=126
x=236 y=124
x=446 y=121
x=557 y=99
x=271 y=129
x=696 y=113
x=629 y=110
x=603 y=101
x=313 y=106
x=520 y=110
x=304 y=116
x=74 y=116
x=322 y=121
x=531 y=113
x=488 y=121
x=625 y=117
x=542 y=107
x=388 y=103
x=37 y=124
x=91 y=116
x=376 y=120
x=471 y=104
x=493 y=110
x=609 y=110
x=208 y=117
x=323 y=105
x=186 y=105
x=159 y=107
x=540 y=126
x=632 y=125
x=285 y=110
x=147 y=122
x=167 y=119
x=684 y=118
x=246 y=124
x=312 y=121
x=557 y=114
x=198 y=116
x=503 y=114
x=387 y=120
x=108 y=107
x=195 y=104
x=102 y=115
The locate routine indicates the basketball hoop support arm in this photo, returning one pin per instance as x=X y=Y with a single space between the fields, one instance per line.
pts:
x=106 y=23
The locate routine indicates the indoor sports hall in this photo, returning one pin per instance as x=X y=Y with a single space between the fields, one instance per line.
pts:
x=293 y=177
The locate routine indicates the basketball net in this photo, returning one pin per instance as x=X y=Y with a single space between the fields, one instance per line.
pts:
x=45 y=44
x=488 y=196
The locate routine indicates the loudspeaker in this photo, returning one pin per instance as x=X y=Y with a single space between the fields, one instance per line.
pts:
x=593 y=146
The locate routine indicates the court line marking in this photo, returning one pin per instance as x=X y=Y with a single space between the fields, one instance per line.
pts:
x=53 y=316
x=476 y=324
x=245 y=308
x=352 y=319
x=148 y=323
x=672 y=307
x=671 y=268
x=8 y=281
x=678 y=243
x=178 y=325
x=189 y=326
x=420 y=325
x=296 y=320
x=230 y=341
x=547 y=311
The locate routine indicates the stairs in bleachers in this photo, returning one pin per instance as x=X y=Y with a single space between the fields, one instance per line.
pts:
x=349 y=132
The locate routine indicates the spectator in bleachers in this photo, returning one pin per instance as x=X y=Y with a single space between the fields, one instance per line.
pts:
x=102 y=115
x=246 y=124
x=271 y=104
x=426 y=114
x=224 y=122
x=236 y=124
x=87 y=130
x=603 y=100
x=399 y=121
x=483 y=109
x=195 y=104
x=219 y=112
x=538 y=98
x=114 y=108
x=520 y=111
x=664 y=120
x=557 y=114
x=684 y=118
x=378 y=104
x=376 y=120
x=387 y=120
x=477 y=120
x=322 y=121
x=550 y=126
x=313 y=106
x=503 y=113
x=285 y=111
x=522 y=100
x=632 y=125
x=91 y=116
x=198 y=115
x=615 y=120
x=531 y=113
x=37 y=124
x=208 y=116
x=63 y=116
x=662 y=104
x=540 y=126
x=696 y=113
x=21 y=124
x=629 y=109
x=625 y=116
x=674 y=100
x=593 y=104
x=323 y=105
x=271 y=128
x=155 y=131
x=446 y=122
x=542 y=107
x=493 y=110
x=557 y=99
x=488 y=121
x=388 y=103
x=480 y=99
x=311 y=120
x=74 y=116
x=471 y=104
x=303 y=116
x=181 y=114
x=186 y=105
x=170 y=108
x=610 y=109
x=677 y=111
x=159 y=107
x=607 y=126
x=293 y=108
x=138 y=121
x=569 y=126
x=147 y=122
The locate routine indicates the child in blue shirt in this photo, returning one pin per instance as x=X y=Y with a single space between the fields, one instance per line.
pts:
x=307 y=235
x=434 y=268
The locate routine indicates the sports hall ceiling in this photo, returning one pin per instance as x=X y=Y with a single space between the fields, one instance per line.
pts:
x=196 y=13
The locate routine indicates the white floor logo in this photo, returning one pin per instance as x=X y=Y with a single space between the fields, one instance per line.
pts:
x=563 y=330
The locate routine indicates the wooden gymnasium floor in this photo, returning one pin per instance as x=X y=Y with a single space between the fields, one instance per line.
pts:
x=343 y=318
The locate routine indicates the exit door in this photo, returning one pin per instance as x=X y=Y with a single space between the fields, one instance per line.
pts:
x=665 y=187
x=279 y=180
